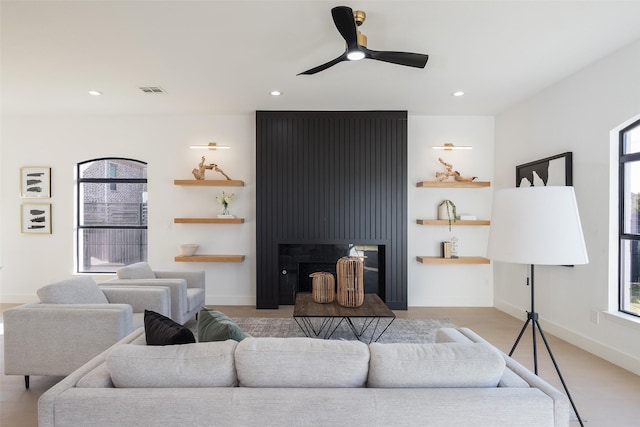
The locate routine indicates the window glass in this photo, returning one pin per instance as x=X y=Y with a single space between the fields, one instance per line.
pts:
x=111 y=214
x=631 y=202
x=629 y=230
x=630 y=276
x=632 y=141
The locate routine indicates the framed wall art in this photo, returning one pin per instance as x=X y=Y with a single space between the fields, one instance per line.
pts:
x=551 y=171
x=35 y=218
x=35 y=181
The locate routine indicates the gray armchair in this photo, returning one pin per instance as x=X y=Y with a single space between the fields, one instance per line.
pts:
x=187 y=288
x=74 y=321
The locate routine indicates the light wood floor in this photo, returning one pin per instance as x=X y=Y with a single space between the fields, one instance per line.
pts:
x=605 y=394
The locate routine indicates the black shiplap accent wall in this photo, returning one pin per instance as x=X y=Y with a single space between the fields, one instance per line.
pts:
x=331 y=177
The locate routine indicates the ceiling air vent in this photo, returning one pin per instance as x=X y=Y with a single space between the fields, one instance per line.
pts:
x=152 y=89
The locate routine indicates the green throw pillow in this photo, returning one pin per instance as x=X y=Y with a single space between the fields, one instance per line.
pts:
x=216 y=326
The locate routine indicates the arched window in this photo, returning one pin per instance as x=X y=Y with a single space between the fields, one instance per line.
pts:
x=111 y=214
x=629 y=219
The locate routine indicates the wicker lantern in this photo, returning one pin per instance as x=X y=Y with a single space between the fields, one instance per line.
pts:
x=323 y=287
x=350 y=270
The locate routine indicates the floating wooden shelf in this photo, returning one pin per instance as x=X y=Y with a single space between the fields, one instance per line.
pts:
x=210 y=258
x=459 y=184
x=461 y=260
x=453 y=223
x=208 y=220
x=210 y=182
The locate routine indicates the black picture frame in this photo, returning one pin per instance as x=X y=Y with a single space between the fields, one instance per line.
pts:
x=551 y=171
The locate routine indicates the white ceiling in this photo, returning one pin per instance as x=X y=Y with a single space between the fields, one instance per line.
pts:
x=226 y=56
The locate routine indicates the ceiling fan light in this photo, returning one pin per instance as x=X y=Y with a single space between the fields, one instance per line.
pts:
x=355 y=55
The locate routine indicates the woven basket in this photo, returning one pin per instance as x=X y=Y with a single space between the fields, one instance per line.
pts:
x=350 y=272
x=323 y=287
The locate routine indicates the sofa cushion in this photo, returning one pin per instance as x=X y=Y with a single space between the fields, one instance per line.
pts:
x=139 y=270
x=189 y=365
x=301 y=362
x=214 y=325
x=79 y=290
x=434 y=365
x=160 y=330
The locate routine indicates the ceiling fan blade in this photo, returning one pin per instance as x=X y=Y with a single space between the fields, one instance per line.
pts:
x=325 y=66
x=409 y=59
x=346 y=25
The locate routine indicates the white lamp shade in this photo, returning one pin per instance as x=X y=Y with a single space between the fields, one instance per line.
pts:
x=536 y=225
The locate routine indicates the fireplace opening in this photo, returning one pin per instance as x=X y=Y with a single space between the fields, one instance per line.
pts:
x=297 y=262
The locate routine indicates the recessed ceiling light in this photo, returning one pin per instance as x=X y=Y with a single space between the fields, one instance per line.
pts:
x=95 y=93
x=458 y=93
x=276 y=93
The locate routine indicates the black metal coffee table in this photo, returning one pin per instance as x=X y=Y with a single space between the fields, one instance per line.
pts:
x=371 y=319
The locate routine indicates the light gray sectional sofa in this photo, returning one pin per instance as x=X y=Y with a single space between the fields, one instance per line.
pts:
x=460 y=381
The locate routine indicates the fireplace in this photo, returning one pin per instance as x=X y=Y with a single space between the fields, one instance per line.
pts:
x=336 y=178
x=297 y=261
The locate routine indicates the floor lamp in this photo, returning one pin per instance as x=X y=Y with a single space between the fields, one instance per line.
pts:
x=537 y=225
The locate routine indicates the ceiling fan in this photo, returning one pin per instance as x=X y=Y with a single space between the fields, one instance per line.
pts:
x=347 y=21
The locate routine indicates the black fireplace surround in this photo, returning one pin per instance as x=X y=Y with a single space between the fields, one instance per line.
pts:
x=333 y=179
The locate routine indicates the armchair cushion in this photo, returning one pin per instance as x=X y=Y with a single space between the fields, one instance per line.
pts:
x=160 y=330
x=139 y=270
x=79 y=290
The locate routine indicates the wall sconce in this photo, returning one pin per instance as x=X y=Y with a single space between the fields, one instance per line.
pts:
x=210 y=146
x=448 y=147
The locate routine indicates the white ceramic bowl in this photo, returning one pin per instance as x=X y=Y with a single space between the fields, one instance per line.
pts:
x=188 y=249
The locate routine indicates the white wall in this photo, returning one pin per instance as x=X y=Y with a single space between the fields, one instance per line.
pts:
x=31 y=261
x=449 y=285
x=576 y=115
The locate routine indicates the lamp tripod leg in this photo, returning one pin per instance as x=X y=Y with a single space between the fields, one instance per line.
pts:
x=555 y=365
x=524 y=328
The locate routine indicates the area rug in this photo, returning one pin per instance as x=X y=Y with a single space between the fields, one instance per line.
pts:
x=401 y=330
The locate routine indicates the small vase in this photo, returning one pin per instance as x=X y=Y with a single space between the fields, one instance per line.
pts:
x=225 y=212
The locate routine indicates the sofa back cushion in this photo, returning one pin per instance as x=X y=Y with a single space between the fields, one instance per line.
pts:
x=139 y=270
x=301 y=362
x=434 y=365
x=189 y=365
x=79 y=290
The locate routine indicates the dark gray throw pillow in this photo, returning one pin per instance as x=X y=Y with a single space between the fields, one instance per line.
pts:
x=160 y=330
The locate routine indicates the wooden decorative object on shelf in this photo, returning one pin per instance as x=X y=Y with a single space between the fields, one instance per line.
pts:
x=198 y=172
x=450 y=173
x=323 y=287
x=350 y=270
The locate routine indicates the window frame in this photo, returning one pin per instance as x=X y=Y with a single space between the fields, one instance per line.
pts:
x=623 y=237
x=111 y=182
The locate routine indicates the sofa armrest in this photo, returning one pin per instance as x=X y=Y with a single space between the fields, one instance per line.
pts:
x=141 y=298
x=194 y=279
x=47 y=401
x=560 y=400
x=55 y=339
x=177 y=289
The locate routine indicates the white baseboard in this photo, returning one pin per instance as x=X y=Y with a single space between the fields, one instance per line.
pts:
x=229 y=300
x=619 y=358
x=213 y=300
x=17 y=299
